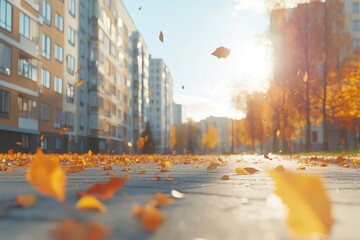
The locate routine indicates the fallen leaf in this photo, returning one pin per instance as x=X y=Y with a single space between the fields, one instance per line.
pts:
x=47 y=176
x=301 y=167
x=169 y=178
x=241 y=171
x=107 y=168
x=74 y=169
x=161 y=37
x=221 y=52
x=225 y=177
x=267 y=156
x=90 y=203
x=279 y=168
x=162 y=200
x=151 y=218
x=79 y=83
x=157 y=178
x=74 y=230
x=142 y=172
x=105 y=191
x=307 y=201
x=212 y=166
x=177 y=194
x=26 y=201
x=168 y=164
x=346 y=165
x=251 y=170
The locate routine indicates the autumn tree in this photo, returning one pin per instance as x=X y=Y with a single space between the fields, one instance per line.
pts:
x=173 y=134
x=210 y=138
x=149 y=144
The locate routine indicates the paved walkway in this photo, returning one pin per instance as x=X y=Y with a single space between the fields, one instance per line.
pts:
x=240 y=208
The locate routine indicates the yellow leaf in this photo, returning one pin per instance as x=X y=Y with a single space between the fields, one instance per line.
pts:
x=278 y=133
x=221 y=52
x=161 y=37
x=241 y=171
x=305 y=78
x=308 y=204
x=168 y=164
x=346 y=165
x=26 y=201
x=301 y=167
x=47 y=176
x=79 y=83
x=90 y=203
x=212 y=166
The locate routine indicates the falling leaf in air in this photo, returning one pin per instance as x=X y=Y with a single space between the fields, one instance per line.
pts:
x=105 y=191
x=26 y=201
x=151 y=218
x=79 y=70
x=301 y=167
x=183 y=87
x=161 y=36
x=140 y=8
x=19 y=143
x=225 y=177
x=177 y=194
x=306 y=77
x=74 y=230
x=140 y=143
x=90 y=203
x=212 y=166
x=79 y=83
x=47 y=176
x=278 y=133
x=42 y=137
x=221 y=52
x=307 y=201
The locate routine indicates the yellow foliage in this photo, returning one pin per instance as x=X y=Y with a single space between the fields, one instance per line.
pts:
x=210 y=138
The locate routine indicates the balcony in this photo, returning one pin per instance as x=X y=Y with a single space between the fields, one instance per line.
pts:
x=28 y=123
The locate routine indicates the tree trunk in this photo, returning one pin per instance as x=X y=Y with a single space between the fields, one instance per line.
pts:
x=307 y=67
x=325 y=124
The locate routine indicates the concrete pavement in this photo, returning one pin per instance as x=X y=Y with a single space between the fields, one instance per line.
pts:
x=243 y=207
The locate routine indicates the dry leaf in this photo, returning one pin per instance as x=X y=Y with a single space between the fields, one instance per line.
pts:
x=140 y=143
x=279 y=168
x=246 y=170
x=267 y=156
x=19 y=143
x=168 y=164
x=251 y=170
x=47 y=176
x=161 y=37
x=11 y=151
x=301 y=167
x=79 y=83
x=278 y=133
x=105 y=191
x=42 y=137
x=26 y=201
x=107 y=168
x=212 y=166
x=177 y=194
x=225 y=177
x=346 y=165
x=221 y=52
x=74 y=169
x=307 y=201
x=90 y=203
x=162 y=200
x=74 y=230
x=151 y=217
x=79 y=70
x=306 y=77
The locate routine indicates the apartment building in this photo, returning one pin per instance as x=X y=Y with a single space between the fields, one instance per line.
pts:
x=161 y=103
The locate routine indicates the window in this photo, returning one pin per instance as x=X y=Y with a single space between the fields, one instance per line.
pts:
x=102 y=145
x=81 y=122
x=27 y=68
x=24 y=25
x=58 y=143
x=356 y=25
x=70 y=93
x=314 y=136
x=59 y=22
x=70 y=64
x=46 y=46
x=69 y=120
x=45 y=112
x=82 y=23
x=82 y=49
x=107 y=44
x=72 y=7
x=44 y=143
x=5 y=15
x=71 y=36
x=45 y=78
x=58 y=53
x=25 y=140
x=355 y=7
x=4 y=104
x=5 y=59
x=58 y=85
x=356 y=43
x=27 y=107
x=58 y=114
x=46 y=12
x=82 y=98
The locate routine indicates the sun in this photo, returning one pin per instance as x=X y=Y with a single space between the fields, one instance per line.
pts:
x=252 y=66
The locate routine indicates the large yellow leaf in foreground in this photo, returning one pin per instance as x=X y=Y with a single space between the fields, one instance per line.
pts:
x=47 y=177
x=308 y=204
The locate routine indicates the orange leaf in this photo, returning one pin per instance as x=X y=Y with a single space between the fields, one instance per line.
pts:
x=75 y=169
x=157 y=178
x=280 y=168
x=301 y=167
x=251 y=170
x=140 y=143
x=11 y=151
x=149 y=93
x=212 y=166
x=47 y=176
x=105 y=191
x=151 y=218
x=79 y=70
x=225 y=177
x=162 y=200
x=26 y=201
x=161 y=37
x=19 y=143
x=42 y=137
x=221 y=52
x=107 y=168
x=79 y=83
x=90 y=203
x=307 y=201
x=74 y=230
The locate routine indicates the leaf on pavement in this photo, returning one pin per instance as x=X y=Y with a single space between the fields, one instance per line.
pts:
x=107 y=168
x=151 y=218
x=279 y=168
x=246 y=170
x=212 y=166
x=26 y=201
x=308 y=204
x=90 y=203
x=301 y=167
x=75 y=169
x=251 y=170
x=47 y=176
x=221 y=52
x=163 y=200
x=74 y=230
x=105 y=191
x=225 y=177
x=267 y=156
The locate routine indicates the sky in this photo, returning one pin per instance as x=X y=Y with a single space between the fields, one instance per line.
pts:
x=192 y=30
